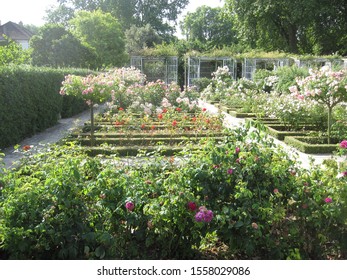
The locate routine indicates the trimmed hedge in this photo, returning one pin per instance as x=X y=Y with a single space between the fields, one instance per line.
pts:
x=306 y=145
x=280 y=131
x=30 y=101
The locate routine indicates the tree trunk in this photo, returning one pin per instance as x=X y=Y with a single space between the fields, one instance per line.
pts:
x=330 y=109
x=292 y=39
x=92 y=124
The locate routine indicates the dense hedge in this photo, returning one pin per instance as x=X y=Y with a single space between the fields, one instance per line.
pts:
x=30 y=101
x=302 y=144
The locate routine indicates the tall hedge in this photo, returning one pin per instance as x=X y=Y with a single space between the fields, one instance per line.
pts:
x=30 y=101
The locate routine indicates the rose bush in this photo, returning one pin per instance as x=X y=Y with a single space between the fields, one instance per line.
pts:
x=325 y=86
x=62 y=204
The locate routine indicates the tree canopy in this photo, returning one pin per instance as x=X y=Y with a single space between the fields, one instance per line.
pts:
x=138 y=38
x=102 y=33
x=160 y=14
x=55 y=46
x=209 y=25
x=295 y=26
x=12 y=53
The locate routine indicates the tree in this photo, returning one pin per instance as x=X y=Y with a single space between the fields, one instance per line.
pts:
x=12 y=53
x=55 y=46
x=102 y=33
x=138 y=38
x=209 y=25
x=330 y=27
x=289 y=25
x=60 y=14
x=324 y=86
x=160 y=14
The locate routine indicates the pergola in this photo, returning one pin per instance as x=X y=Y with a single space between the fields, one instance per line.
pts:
x=250 y=65
x=203 y=67
x=157 y=68
x=319 y=62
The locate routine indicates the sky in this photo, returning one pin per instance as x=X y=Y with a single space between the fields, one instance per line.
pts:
x=33 y=11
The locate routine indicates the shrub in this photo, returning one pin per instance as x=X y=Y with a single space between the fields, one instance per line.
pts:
x=30 y=101
x=242 y=191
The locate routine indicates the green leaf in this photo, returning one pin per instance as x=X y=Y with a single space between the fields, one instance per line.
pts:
x=100 y=252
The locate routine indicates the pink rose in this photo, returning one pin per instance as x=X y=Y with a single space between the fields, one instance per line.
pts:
x=343 y=144
x=328 y=200
x=129 y=206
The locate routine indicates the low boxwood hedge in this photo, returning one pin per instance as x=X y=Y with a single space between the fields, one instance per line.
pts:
x=306 y=145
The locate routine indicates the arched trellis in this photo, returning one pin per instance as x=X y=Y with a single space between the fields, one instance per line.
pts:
x=203 y=67
x=157 y=68
x=319 y=62
x=250 y=65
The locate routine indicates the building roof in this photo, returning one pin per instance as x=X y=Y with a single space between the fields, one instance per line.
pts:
x=14 y=31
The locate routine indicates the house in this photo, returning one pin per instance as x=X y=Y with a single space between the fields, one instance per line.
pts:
x=16 y=32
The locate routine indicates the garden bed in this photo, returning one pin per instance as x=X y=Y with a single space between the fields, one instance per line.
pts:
x=281 y=131
x=242 y=115
x=128 y=136
x=312 y=145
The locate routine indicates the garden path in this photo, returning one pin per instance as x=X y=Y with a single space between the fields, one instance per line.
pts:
x=50 y=135
x=66 y=126
x=302 y=158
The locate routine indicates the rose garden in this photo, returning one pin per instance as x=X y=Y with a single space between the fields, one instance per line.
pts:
x=155 y=175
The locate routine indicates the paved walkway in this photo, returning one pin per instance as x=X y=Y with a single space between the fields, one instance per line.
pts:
x=304 y=159
x=49 y=136
x=66 y=126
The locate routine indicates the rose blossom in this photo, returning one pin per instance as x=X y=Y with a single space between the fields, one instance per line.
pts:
x=199 y=217
x=328 y=200
x=192 y=206
x=343 y=144
x=255 y=225
x=130 y=206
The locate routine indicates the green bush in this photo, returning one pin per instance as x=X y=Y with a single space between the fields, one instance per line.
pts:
x=30 y=101
x=309 y=145
x=242 y=193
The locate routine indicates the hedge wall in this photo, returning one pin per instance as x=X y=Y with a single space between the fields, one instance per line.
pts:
x=30 y=101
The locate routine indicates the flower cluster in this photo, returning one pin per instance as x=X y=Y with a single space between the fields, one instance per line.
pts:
x=100 y=88
x=221 y=73
x=324 y=85
x=204 y=215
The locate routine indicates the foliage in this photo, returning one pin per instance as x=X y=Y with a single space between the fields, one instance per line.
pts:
x=210 y=26
x=287 y=76
x=102 y=33
x=161 y=50
x=159 y=14
x=30 y=101
x=12 y=53
x=278 y=25
x=251 y=196
x=155 y=97
x=219 y=86
x=138 y=38
x=325 y=86
x=54 y=46
x=95 y=89
x=310 y=144
x=339 y=126
x=99 y=88
x=294 y=113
